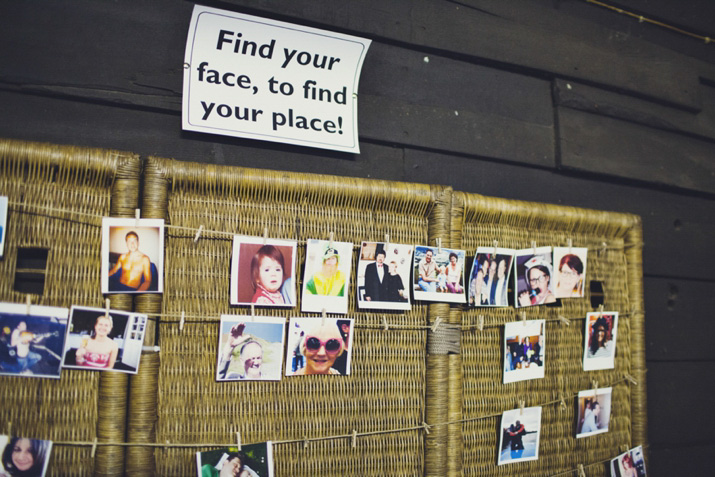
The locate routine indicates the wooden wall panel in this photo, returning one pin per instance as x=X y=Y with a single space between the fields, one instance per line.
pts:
x=601 y=145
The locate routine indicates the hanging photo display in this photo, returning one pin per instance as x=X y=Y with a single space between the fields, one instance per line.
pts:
x=599 y=348
x=327 y=276
x=252 y=460
x=3 y=223
x=629 y=464
x=132 y=255
x=524 y=350
x=250 y=348
x=519 y=439
x=594 y=412
x=24 y=457
x=263 y=271
x=32 y=340
x=383 y=276
x=104 y=340
x=319 y=346
x=438 y=274
x=569 y=271
x=534 y=273
x=489 y=279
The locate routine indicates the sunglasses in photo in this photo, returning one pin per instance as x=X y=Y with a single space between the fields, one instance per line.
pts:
x=314 y=344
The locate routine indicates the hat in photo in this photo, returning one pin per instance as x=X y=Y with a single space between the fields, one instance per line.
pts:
x=537 y=260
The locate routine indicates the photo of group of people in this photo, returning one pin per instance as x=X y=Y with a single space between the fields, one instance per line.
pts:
x=629 y=464
x=383 y=276
x=489 y=280
x=39 y=341
x=600 y=344
x=594 y=412
x=24 y=457
x=519 y=437
x=132 y=255
x=3 y=223
x=538 y=282
x=251 y=460
x=439 y=274
x=524 y=350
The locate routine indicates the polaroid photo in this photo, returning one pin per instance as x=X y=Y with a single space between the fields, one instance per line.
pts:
x=319 y=346
x=534 y=273
x=524 y=347
x=520 y=431
x=629 y=464
x=250 y=349
x=263 y=272
x=253 y=460
x=383 y=276
x=438 y=274
x=3 y=223
x=23 y=456
x=594 y=412
x=327 y=276
x=569 y=271
x=132 y=255
x=103 y=341
x=599 y=347
x=489 y=280
x=32 y=340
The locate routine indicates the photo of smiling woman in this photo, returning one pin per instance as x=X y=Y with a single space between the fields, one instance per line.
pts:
x=569 y=271
x=320 y=343
x=23 y=457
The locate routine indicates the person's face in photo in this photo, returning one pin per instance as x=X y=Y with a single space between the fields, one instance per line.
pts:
x=231 y=467
x=270 y=274
x=22 y=456
x=538 y=279
x=453 y=259
x=322 y=349
x=330 y=266
x=492 y=269
x=569 y=277
x=597 y=410
x=253 y=358
x=428 y=256
x=380 y=258
x=485 y=266
x=22 y=326
x=393 y=268
x=501 y=271
x=600 y=335
x=132 y=243
x=102 y=327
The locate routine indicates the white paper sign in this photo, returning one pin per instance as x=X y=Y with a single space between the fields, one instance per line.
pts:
x=256 y=78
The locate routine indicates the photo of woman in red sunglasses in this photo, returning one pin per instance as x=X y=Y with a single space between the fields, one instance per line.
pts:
x=321 y=343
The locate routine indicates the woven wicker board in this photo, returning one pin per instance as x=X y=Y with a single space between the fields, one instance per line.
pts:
x=614 y=259
x=386 y=389
x=57 y=197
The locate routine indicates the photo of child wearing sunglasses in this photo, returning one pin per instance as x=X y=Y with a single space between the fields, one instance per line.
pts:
x=319 y=346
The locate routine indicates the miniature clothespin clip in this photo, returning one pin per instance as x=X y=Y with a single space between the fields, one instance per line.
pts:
x=564 y=320
x=594 y=383
x=562 y=402
x=265 y=235
x=496 y=244
x=238 y=440
x=604 y=247
x=480 y=323
x=384 y=322
x=387 y=242
x=181 y=322
x=94 y=448
x=330 y=241
x=439 y=245
x=425 y=426
x=600 y=310
x=28 y=303
x=533 y=246
x=522 y=403
x=325 y=315
x=253 y=312
x=437 y=321
x=354 y=439
x=106 y=307
x=630 y=378
x=9 y=428
x=137 y=217
x=305 y=443
x=581 y=471
x=523 y=318
x=569 y=243
x=198 y=233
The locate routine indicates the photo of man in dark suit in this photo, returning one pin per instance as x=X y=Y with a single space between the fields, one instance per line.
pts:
x=376 y=278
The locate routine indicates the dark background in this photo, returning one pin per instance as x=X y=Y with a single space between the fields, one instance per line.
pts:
x=551 y=101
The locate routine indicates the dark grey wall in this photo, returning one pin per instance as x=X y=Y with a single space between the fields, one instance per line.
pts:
x=551 y=101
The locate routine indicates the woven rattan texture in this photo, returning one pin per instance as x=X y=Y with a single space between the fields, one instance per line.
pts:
x=386 y=388
x=57 y=197
x=484 y=395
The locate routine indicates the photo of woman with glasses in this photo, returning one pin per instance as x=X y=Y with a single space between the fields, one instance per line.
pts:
x=570 y=273
x=534 y=272
x=321 y=344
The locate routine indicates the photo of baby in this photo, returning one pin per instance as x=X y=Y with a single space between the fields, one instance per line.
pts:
x=262 y=272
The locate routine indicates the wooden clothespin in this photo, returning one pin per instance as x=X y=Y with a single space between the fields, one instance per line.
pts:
x=28 y=304
x=198 y=233
x=564 y=320
x=522 y=404
x=305 y=443
x=325 y=315
x=523 y=318
x=630 y=378
x=581 y=471
x=594 y=383
x=137 y=217
x=253 y=312
x=533 y=246
x=480 y=323
x=569 y=243
x=106 y=307
x=265 y=235
x=496 y=244
x=426 y=427
x=181 y=322
x=439 y=245
x=387 y=243
x=354 y=439
x=238 y=440
x=384 y=322
x=437 y=321
x=330 y=242
x=562 y=402
x=94 y=448
x=600 y=310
